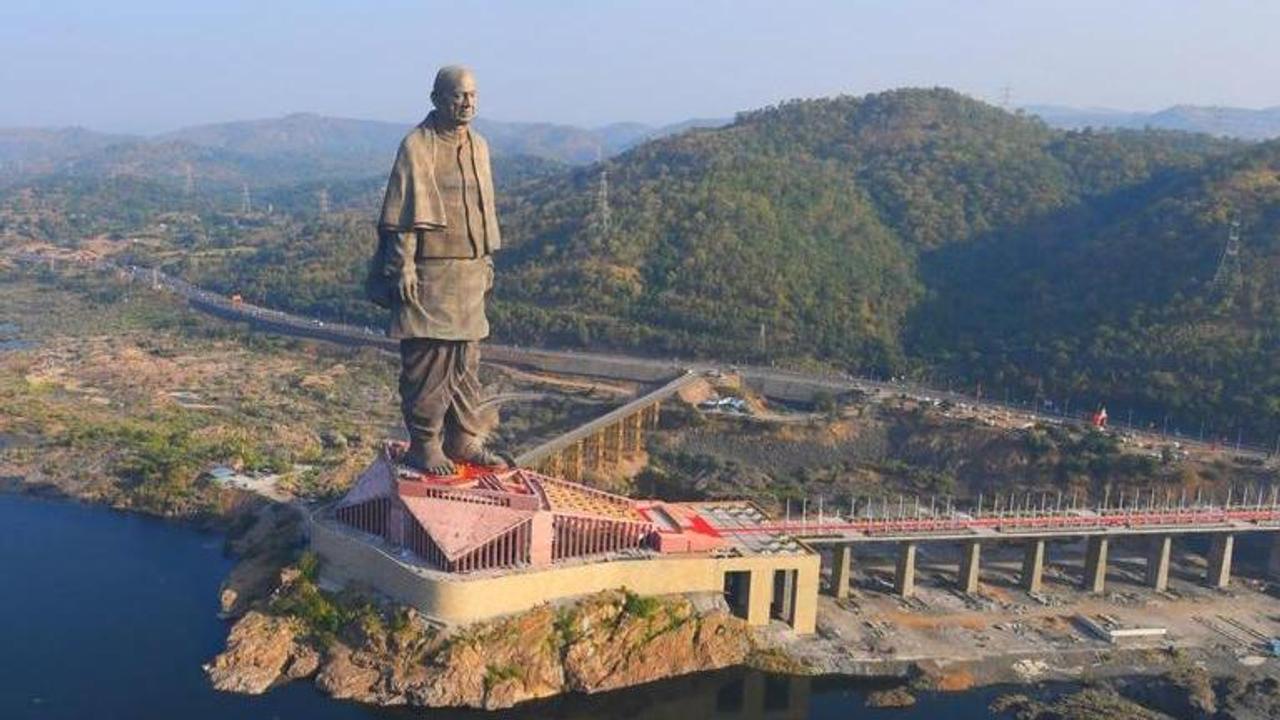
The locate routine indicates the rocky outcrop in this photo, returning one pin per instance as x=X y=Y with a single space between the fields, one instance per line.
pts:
x=613 y=647
x=262 y=651
x=606 y=641
x=898 y=697
x=264 y=539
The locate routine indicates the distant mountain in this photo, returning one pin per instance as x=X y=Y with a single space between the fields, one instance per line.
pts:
x=301 y=148
x=1241 y=123
x=575 y=145
x=299 y=133
x=40 y=149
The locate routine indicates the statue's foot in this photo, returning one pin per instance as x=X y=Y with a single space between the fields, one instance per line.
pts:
x=428 y=458
x=476 y=453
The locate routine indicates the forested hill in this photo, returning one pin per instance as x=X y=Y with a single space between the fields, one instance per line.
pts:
x=922 y=231
x=1117 y=300
x=806 y=220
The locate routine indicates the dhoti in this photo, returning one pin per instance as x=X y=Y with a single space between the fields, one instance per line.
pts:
x=440 y=392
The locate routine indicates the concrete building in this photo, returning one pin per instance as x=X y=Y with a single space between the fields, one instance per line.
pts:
x=486 y=543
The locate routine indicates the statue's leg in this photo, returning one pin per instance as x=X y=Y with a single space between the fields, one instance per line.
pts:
x=467 y=423
x=425 y=369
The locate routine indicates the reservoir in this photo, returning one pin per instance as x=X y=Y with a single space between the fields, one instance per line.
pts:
x=111 y=615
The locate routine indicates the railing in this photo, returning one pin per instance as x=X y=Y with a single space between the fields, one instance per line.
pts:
x=1185 y=518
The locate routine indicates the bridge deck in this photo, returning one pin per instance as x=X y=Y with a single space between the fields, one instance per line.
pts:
x=960 y=526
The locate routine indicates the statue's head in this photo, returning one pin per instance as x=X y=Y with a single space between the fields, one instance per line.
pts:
x=454 y=95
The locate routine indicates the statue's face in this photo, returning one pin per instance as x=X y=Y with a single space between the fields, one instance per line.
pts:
x=457 y=101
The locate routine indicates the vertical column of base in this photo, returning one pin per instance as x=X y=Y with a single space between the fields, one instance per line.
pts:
x=969 y=566
x=759 y=596
x=1158 y=562
x=1220 y=560
x=905 y=580
x=804 y=619
x=784 y=588
x=842 y=571
x=1095 y=564
x=1033 y=566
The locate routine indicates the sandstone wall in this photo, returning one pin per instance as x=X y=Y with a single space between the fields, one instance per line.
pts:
x=455 y=600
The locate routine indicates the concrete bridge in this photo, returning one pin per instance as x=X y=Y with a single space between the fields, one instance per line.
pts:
x=1033 y=528
x=606 y=441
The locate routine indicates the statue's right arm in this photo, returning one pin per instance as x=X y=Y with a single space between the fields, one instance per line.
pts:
x=402 y=250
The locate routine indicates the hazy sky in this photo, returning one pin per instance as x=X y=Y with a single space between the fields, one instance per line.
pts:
x=150 y=65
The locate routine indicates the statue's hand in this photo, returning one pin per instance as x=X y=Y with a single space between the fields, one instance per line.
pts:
x=409 y=286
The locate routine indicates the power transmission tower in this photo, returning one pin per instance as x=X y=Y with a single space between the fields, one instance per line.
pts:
x=604 y=218
x=190 y=185
x=246 y=206
x=1006 y=96
x=1229 y=274
x=324 y=200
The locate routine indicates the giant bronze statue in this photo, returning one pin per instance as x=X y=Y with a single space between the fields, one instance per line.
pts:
x=436 y=236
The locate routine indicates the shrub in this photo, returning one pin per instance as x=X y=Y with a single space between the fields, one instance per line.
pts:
x=639 y=606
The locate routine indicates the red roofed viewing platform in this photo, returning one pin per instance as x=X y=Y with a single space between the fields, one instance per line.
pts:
x=496 y=517
x=488 y=541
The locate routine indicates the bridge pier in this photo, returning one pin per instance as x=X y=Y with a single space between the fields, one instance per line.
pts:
x=1158 y=562
x=1219 y=575
x=904 y=582
x=575 y=467
x=969 y=566
x=1095 y=564
x=593 y=450
x=841 y=571
x=613 y=444
x=1033 y=565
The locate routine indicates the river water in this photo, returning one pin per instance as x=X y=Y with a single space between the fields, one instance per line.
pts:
x=110 y=615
